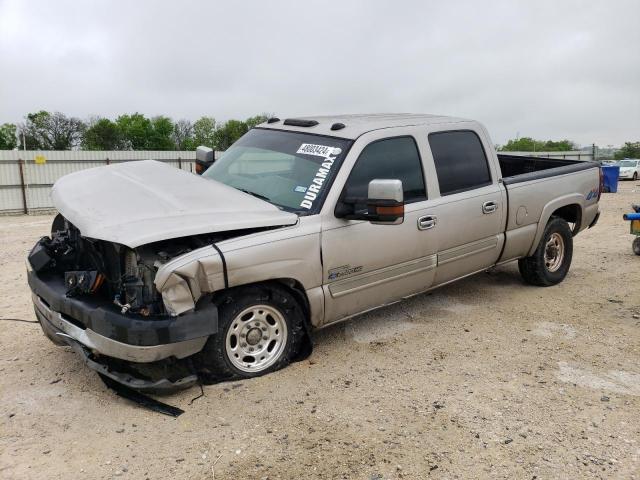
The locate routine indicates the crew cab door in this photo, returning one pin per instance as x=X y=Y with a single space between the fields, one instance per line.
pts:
x=366 y=265
x=470 y=211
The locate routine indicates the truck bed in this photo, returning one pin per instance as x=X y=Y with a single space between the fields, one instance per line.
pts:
x=517 y=168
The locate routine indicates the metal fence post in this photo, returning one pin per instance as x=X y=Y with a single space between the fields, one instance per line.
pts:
x=179 y=163
x=23 y=186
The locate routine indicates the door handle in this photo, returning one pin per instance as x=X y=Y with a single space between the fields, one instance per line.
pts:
x=489 y=207
x=427 y=222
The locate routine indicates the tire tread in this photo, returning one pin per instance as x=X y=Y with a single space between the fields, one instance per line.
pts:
x=232 y=302
x=533 y=269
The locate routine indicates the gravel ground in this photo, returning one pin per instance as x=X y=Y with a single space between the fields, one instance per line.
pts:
x=485 y=378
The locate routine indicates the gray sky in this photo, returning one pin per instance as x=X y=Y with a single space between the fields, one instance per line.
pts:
x=548 y=69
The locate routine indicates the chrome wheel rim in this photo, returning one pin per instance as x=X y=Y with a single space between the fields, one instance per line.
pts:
x=554 y=252
x=256 y=338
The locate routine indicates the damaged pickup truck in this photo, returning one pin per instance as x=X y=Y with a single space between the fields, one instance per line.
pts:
x=157 y=276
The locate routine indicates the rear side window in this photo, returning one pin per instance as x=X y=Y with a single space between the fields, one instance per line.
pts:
x=460 y=161
x=392 y=158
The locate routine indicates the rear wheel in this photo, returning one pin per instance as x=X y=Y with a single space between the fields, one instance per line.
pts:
x=635 y=176
x=259 y=330
x=550 y=262
x=636 y=246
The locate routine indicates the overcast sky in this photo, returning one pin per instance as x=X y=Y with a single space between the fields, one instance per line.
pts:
x=547 y=69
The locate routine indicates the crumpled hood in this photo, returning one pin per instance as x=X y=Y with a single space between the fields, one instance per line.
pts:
x=136 y=203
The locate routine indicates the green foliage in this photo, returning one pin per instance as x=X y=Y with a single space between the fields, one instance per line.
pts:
x=136 y=131
x=629 y=150
x=161 y=134
x=228 y=133
x=204 y=133
x=51 y=131
x=182 y=135
x=103 y=134
x=528 y=144
x=253 y=121
x=54 y=131
x=8 y=139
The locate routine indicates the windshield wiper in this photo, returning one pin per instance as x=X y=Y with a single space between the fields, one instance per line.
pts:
x=257 y=195
x=266 y=199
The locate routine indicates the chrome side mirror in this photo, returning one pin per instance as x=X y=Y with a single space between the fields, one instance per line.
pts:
x=385 y=201
x=204 y=159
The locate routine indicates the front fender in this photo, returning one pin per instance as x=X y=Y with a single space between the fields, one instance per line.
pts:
x=270 y=256
x=184 y=279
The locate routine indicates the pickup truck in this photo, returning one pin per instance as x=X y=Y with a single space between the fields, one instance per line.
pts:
x=158 y=277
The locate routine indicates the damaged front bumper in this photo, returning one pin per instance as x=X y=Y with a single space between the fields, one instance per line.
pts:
x=107 y=339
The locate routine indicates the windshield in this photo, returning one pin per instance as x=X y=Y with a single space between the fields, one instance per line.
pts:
x=288 y=169
x=628 y=163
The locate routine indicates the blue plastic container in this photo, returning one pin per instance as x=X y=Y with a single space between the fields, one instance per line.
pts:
x=610 y=174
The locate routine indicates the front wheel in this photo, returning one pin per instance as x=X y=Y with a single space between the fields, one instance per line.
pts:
x=260 y=329
x=550 y=263
x=636 y=245
x=635 y=176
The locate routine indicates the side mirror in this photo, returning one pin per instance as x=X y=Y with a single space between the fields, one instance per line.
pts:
x=385 y=201
x=204 y=159
x=384 y=204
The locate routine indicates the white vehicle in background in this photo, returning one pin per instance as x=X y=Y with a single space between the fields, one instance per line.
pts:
x=629 y=168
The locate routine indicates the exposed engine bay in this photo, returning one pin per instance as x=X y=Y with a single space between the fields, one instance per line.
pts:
x=116 y=273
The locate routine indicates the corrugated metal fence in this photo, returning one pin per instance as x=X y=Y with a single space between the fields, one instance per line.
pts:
x=26 y=177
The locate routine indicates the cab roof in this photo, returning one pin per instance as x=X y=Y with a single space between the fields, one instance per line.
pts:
x=352 y=126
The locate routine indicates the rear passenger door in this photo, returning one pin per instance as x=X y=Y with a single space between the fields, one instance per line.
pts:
x=470 y=210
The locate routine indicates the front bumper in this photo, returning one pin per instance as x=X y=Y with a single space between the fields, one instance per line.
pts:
x=105 y=338
x=58 y=326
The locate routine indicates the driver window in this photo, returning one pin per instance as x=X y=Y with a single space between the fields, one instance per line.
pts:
x=391 y=158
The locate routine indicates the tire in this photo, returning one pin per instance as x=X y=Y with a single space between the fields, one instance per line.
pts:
x=636 y=246
x=550 y=263
x=260 y=330
x=635 y=176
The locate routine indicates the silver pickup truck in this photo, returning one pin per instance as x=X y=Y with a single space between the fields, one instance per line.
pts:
x=157 y=276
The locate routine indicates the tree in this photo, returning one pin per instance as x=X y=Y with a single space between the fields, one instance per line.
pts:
x=253 y=121
x=560 y=146
x=8 y=137
x=528 y=144
x=629 y=150
x=102 y=134
x=204 y=133
x=51 y=131
x=182 y=134
x=161 y=134
x=228 y=133
x=136 y=130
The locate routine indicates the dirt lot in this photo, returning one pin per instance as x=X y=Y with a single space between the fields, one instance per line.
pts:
x=486 y=378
